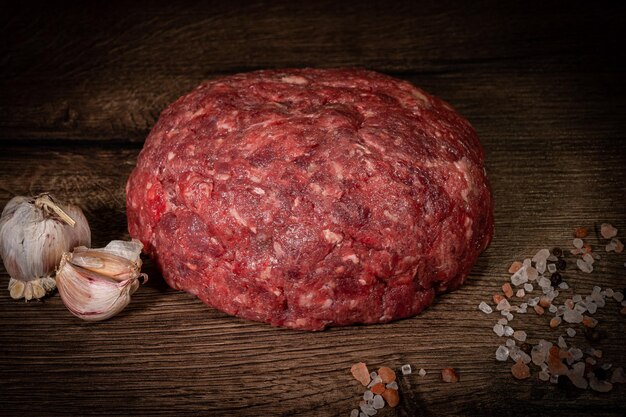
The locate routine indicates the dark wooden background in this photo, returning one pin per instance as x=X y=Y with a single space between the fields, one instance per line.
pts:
x=81 y=84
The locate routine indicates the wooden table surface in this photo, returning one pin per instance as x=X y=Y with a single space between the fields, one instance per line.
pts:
x=543 y=84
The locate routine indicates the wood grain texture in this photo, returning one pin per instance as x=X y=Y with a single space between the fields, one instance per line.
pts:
x=543 y=87
x=103 y=71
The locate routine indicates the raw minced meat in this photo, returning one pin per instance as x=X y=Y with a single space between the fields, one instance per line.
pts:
x=308 y=198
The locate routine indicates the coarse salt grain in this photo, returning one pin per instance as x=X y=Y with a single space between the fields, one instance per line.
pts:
x=589 y=322
x=367 y=409
x=519 y=335
x=498 y=329
x=368 y=395
x=520 y=293
x=579 y=381
x=510 y=343
x=508 y=331
x=528 y=287
x=581 y=232
x=541 y=266
x=572 y=316
x=541 y=254
x=554 y=322
x=392 y=385
x=618 y=296
x=608 y=231
x=584 y=266
x=618 y=376
x=422 y=372
x=378 y=388
x=599 y=386
x=515 y=266
x=378 y=402
x=544 y=282
x=406 y=369
x=571 y=332
x=520 y=370
x=485 y=308
x=386 y=374
x=503 y=305
x=354 y=413
x=588 y=258
x=507 y=290
x=360 y=373
x=392 y=397
x=578 y=243
x=449 y=375
x=502 y=353
x=515 y=353
x=551 y=268
x=520 y=277
x=375 y=380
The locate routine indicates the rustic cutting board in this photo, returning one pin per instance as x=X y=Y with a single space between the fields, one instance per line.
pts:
x=543 y=85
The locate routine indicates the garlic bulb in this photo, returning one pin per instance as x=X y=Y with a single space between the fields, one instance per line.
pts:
x=96 y=284
x=34 y=233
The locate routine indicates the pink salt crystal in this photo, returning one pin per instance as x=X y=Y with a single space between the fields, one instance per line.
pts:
x=520 y=370
x=515 y=266
x=450 y=375
x=618 y=376
x=360 y=373
x=608 y=231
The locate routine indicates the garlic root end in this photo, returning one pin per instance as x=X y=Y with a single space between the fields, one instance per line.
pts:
x=31 y=290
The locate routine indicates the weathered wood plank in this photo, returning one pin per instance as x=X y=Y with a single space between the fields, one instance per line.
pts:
x=168 y=353
x=106 y=71
x=543 y=87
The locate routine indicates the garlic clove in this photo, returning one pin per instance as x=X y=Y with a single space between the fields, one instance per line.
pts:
x=112 y=266
x=92 y=296
x=28 y=291
x=16 y=288
x=38 y=290
x=118 y=260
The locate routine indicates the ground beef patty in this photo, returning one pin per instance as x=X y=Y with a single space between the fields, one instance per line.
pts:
x=309 y=198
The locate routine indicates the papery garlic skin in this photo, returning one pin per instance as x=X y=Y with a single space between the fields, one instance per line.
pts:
x=32 y=241
x=96 y=284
